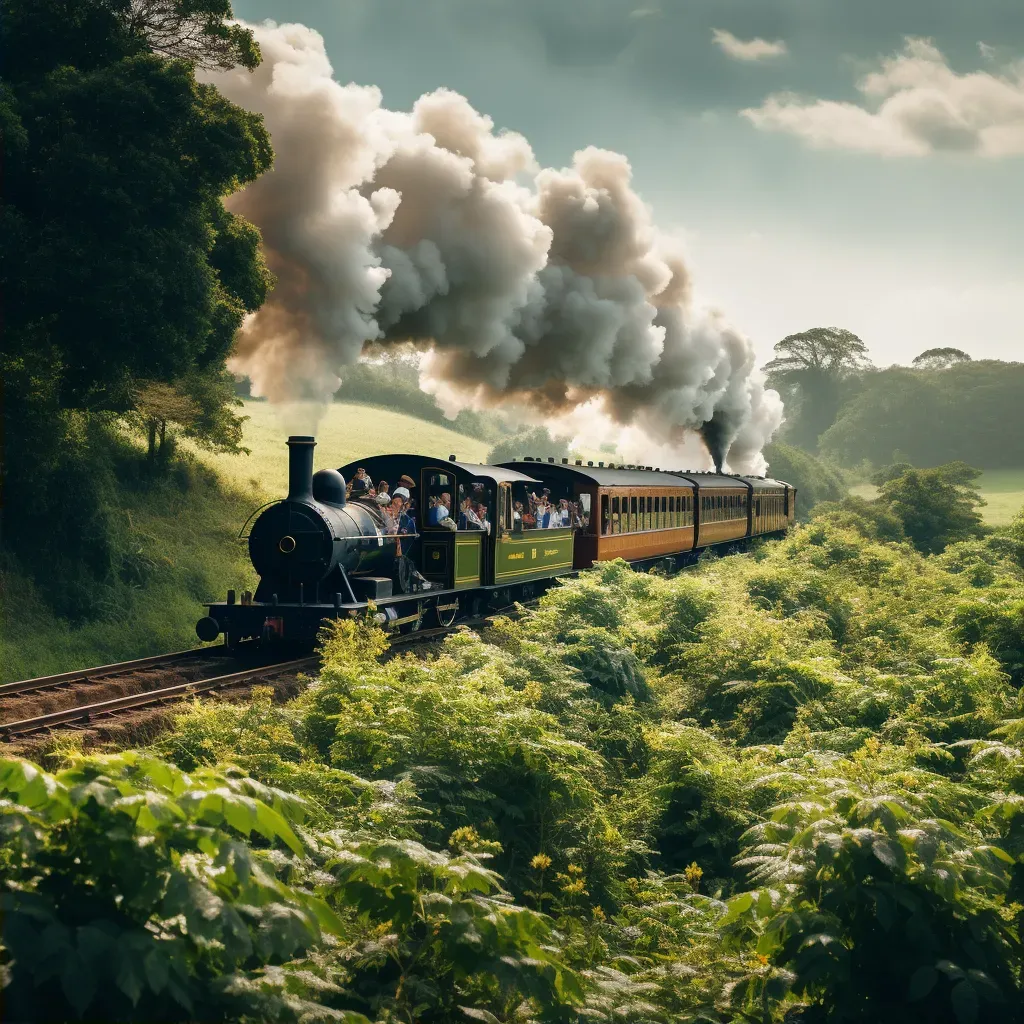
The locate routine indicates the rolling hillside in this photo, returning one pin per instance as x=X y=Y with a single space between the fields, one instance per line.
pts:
x=344 y=432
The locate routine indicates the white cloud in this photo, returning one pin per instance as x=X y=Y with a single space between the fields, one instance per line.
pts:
x=914 y=105
x=747 y=49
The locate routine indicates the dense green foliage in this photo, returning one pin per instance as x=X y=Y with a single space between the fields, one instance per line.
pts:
x=123 y=274
x=970 y=411
x=814 y=479
x=931 y=508
x=937 y=507
x=786 y=786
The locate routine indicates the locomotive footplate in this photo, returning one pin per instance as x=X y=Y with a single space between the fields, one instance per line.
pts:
x=300 y=623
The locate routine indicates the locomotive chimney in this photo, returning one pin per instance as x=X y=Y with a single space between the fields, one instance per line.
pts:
x=300 y=467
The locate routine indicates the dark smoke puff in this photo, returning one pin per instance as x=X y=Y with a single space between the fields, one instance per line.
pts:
x=417 y=275
x=716 y=435
x=487 y=246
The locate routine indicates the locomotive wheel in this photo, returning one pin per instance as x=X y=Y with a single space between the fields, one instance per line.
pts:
x=446 y=612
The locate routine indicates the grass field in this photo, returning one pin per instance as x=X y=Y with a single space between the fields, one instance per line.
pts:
x=1002 y=489
x=344 y=433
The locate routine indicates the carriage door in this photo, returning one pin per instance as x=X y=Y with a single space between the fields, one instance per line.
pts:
x=437 y=486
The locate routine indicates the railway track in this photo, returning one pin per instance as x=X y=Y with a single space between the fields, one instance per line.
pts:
x=88 y=715
x=93 y=675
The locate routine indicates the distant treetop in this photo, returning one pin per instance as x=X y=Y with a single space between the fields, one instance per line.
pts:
x=830 y=351
x=940 y=358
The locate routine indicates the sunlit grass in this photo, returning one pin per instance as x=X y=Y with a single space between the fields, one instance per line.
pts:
x=343 y=432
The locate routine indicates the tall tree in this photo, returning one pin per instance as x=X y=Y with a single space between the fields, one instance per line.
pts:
x=940 y=358
x=810 y=369
x=118 y=261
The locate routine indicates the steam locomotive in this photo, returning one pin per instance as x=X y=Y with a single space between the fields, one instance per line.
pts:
x=322 y=555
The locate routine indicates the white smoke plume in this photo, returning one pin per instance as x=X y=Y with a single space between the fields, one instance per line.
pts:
x=520 y=284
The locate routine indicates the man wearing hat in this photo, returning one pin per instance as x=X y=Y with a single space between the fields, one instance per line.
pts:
x=405 y=484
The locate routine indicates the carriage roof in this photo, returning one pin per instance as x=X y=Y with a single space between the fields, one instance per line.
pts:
x=387 y=465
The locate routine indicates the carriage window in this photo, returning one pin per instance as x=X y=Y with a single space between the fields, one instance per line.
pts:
x=606 y=521
x=440 y=499
x=475 y=510
x=583 y=503
x=633 y=513
x=505 y=503
x=616 y=528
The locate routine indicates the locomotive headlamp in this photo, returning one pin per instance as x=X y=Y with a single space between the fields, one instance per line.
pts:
x=286 y=545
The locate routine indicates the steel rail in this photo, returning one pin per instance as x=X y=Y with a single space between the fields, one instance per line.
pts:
x=87 y=712
x=101 y=709
x=88 y=675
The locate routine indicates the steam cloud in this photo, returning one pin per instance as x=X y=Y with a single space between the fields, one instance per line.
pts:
x=391 y=227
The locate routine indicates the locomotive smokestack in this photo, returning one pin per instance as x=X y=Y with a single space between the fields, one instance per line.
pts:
x=300 y=467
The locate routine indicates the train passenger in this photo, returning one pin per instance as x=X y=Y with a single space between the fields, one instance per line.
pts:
x=481 y=514
x=406 y=523
x=542 y=513
x=440 y=510
x=562 y=516
x=361 y=483
x=405 y=485
x=382 y=488
x=468 y=519
x=390 y=520
x=517 y=515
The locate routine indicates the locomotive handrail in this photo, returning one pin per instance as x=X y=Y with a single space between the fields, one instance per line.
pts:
x=266 y=504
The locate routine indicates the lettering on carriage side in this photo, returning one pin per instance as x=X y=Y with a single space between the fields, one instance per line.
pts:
x=533 y=553
x=550 y=551
x=517 y=554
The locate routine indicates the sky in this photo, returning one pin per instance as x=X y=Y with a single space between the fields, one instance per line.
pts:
x=850 y=163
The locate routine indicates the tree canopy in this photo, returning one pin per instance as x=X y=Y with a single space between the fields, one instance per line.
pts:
x=119 y=265
x=937 y=506
x=970 y=411
x=940 y=358
x=809 y=369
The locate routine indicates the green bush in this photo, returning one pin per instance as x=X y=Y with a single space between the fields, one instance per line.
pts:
x=815 y=480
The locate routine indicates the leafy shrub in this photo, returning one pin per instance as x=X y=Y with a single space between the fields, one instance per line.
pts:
x=132 y=893
x=871 y=909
